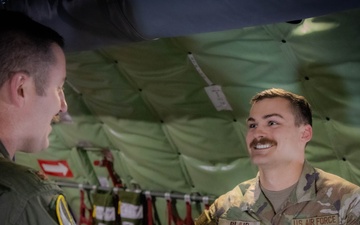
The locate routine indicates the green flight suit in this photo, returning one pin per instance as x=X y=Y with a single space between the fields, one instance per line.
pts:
x=319 y=198
x=27 y=197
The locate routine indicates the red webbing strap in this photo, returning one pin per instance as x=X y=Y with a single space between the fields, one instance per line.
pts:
x=149 y=208
x=205 y=200
x=83 y=209
x=172 y=213
x=169 y=208
x=107 y=162
x=188 y=218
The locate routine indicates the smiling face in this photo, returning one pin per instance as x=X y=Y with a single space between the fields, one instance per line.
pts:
x=272 y=138
x=41 y=109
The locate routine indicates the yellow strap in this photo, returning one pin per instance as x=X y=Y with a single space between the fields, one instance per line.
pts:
x=119 y=208
x=62 y=211
x=94 y=211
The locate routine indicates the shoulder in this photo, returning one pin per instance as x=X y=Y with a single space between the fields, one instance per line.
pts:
x=337 y=190
x=234 y=197
x=26 y=195
x=342 y=194
x=326 y=179
x=23 y=181
x=240 y=190
x=244 y=186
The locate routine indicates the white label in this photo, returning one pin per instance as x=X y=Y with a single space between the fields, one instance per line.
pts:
x=105 y=213
x=104 y=182
x=217 y=97
x=131 y=211
x=126 y=223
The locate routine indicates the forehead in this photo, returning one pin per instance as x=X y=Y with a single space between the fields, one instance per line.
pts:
x=58 y=70
x=271 y=106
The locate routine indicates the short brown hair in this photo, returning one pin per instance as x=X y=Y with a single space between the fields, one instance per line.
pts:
x=299 y=104
x=25 y=46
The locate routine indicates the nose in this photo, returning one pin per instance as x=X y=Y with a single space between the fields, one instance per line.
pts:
x=259 y=132
x=63 y=105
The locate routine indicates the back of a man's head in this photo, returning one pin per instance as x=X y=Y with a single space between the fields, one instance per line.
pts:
x=25 y=46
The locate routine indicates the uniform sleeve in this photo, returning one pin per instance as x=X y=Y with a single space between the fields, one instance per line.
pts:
x=211 y=216
x=37 y=211
x=205 y=219
x=41 y=210
x=27 y=197
x=353 y=214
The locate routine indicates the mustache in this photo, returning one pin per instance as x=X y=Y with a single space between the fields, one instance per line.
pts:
x=262 y=141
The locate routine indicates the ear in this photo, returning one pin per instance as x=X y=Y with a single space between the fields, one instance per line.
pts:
x=306 y=133
x=16 y=88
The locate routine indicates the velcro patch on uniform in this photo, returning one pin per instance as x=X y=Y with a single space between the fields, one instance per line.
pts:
x=62 y=211
x=237 y=222
x=320 y=220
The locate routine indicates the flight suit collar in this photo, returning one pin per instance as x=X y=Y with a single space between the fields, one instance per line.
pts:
x=3 y=152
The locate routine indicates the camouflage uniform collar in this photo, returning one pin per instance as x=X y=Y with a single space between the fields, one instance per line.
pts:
x=306 y=187
x=305 y=190
x=252 y=194
x=3 y=152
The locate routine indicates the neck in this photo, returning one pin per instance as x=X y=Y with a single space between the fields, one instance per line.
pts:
x=280 y=177
x=11 y=120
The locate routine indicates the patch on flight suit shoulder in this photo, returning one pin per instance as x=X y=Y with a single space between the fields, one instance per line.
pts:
x=41 y=175
x=62 y=212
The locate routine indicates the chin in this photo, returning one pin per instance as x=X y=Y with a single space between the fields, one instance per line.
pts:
x=44 y=145
x=259 y=161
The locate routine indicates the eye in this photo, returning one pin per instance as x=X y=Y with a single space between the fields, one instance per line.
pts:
x=251 y=125
x=271 y=123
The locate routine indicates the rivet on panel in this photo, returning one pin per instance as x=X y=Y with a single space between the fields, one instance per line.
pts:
x=161 y=121
x=307 y=78
x=283 y=41
x=115 y=61
x=235 y=120
x=344 y=159
x=140 y=89
x=327 y=118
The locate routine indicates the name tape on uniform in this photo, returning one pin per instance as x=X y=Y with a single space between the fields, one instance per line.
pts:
x=237 y=222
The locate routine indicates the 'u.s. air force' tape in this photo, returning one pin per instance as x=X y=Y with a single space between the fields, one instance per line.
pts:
x=62 y=211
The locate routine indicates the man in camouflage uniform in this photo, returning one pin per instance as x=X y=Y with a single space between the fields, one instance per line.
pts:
x=32 y=75
x=287 y=189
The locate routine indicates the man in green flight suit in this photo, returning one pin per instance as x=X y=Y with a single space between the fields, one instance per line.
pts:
x=32 y=75
x=287 y=189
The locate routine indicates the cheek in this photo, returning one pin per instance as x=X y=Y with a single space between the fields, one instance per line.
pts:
x=50 y=104
x=285 y=139
x=249 y=137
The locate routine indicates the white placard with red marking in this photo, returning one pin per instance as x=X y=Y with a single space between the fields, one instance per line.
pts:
x=59 y=168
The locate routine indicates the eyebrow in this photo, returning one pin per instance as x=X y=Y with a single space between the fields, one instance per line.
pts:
x=250 y=119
